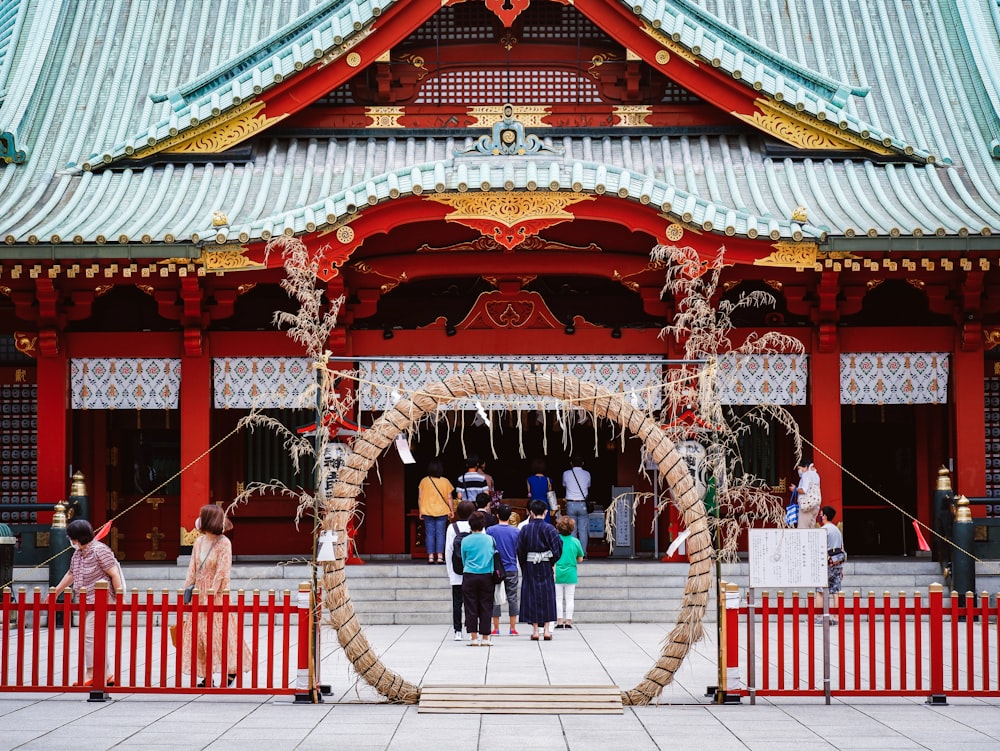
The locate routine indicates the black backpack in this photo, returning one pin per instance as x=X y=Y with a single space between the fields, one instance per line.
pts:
x=456 y=551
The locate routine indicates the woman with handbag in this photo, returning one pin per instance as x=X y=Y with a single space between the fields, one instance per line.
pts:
x=435 y=502
x=209 y=572
x=540 y=489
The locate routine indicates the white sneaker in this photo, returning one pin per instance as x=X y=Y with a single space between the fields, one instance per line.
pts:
x=458 y=636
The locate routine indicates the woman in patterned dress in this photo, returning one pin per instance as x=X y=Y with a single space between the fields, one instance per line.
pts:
x=209 y=570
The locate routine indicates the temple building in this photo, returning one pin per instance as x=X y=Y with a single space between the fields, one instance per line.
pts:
x=483 y=181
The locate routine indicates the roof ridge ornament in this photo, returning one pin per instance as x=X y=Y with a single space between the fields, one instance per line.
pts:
x=508 y=138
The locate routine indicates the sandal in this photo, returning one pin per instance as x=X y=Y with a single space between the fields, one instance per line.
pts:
x=534 y=637
x=547 y=637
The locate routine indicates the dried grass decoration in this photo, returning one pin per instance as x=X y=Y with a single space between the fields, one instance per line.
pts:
x=600 y=403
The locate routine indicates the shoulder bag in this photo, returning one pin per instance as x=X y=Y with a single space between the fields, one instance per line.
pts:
x=189 y=590
x=499 y=573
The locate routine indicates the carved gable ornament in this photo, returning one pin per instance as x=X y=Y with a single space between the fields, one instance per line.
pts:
x=508 y=138
x=501 y=310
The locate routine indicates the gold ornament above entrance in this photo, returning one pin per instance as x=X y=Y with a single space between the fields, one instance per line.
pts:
x=507 y=216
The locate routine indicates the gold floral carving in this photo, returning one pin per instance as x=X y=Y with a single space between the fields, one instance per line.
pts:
x=417 y=62
x=26 y=343
x=223 y=132
x=385 y=117
x=228 y=258
x=394 y=281
x=529 y=117
x=670 y=45
x=188 y=537
x=484 y=243
x=803 y=130
x=991 y=338
x=597 y=61
x=508 y=216
x=792 y=255
x=508 y=207
x=631 y=114
x=626 y=279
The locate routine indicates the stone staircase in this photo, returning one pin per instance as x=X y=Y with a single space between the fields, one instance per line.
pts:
x=610 y=591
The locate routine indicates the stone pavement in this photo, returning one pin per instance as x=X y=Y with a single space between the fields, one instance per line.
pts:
x=355 y=718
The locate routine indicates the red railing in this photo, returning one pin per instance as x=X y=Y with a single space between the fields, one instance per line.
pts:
x=919 y=645
x=42 y=642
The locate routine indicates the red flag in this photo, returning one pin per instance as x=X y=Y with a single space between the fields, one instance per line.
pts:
x=921 y=542
x=102 y=531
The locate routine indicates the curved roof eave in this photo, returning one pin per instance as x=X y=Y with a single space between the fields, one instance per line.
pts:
x=480 y=174
x=329 y=29
x=981 y=33
x=766 y=73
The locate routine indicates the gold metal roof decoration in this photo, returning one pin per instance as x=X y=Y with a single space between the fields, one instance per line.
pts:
x=791 y=255
x=803 y=130
x=228 y=258
x=800 y=214
x=219 y=219
x=509 y=217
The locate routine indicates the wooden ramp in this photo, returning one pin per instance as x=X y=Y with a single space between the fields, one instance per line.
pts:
x=497 y=699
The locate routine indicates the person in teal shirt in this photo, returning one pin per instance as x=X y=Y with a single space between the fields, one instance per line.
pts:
x=477 y=580
x=566 y=573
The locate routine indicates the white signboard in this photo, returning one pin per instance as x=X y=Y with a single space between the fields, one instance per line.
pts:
x=787 y=558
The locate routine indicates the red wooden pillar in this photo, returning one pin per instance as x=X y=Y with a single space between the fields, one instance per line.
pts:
x=970 y=417
x=53 y=420
x=196 y=411
x=824 y=402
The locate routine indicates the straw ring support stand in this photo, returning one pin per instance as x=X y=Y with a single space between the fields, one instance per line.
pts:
x=598 y=401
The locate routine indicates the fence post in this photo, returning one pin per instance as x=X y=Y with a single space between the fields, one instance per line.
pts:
x=100 y=611
x=935 y=622
x=305 y=691
x=728 y=694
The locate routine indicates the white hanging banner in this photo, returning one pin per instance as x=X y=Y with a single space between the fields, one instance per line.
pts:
x=632 y=374
x=894 y=378
x=265 y=382
x=124 y=383
x=763 y=379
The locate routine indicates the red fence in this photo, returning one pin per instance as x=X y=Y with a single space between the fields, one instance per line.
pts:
x=878 y=645
x=137 y=634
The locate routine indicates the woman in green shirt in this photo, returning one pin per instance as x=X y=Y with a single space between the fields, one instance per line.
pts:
x=566 y=574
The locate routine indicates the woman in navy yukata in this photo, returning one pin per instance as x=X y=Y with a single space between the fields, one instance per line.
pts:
x=538 y=548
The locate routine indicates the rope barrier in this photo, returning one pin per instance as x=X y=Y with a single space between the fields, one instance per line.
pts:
x=151 y=493
x=991 y=567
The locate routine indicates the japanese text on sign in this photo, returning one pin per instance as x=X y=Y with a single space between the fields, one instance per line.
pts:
x=787 y=558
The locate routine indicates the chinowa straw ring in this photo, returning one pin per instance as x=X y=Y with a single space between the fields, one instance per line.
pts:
x=601 y=403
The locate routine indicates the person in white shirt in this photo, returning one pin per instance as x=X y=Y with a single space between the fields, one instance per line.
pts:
x=808 y=493
x=576 y=481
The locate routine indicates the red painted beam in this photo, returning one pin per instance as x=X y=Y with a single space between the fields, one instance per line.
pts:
x=700 y=78
x=317 y=80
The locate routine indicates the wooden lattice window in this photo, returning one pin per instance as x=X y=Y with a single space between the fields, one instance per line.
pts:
x=488 y=87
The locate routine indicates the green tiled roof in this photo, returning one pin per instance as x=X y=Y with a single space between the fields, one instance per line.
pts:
x=298 y=44
x=766 y=71
x=83 y=74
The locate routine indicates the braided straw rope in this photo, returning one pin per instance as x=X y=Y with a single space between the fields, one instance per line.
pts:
x=601 y=403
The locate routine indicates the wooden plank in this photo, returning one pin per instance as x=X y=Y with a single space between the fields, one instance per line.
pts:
x=512 y=699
